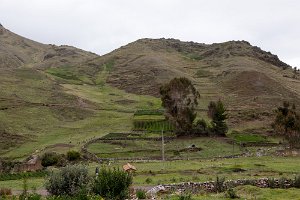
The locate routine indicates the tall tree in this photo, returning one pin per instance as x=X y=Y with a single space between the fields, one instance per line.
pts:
x=217 y=112
x=287 y=124
x=180 y=98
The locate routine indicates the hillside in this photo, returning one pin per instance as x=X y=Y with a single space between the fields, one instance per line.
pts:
x=58 y=97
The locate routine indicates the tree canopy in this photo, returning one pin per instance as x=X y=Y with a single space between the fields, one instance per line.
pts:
x=287 y=124
x=180 y=98
x=217 y=112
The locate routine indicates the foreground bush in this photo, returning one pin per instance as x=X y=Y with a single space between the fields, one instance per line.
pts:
x=71 y=180
x=112 y=184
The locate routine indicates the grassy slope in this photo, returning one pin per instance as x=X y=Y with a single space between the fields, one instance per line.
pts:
x=49 y=111
x=56 y=96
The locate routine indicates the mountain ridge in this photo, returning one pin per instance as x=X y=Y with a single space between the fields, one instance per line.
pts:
x=62 y=92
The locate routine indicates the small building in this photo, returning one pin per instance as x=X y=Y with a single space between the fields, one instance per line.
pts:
x=129 y=168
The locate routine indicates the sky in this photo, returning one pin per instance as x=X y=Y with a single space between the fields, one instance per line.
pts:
x=101 y=26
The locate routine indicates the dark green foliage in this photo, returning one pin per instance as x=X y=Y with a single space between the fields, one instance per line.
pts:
x=50 y=159
x=70 y=180
x=185 y=197
x=296 y=182
x=217 y=112
x=180 y=98
x=219 y=184
x=21 y=175
x=282 y=182
x=112 y=184
x=271 y=183
x=148 y=180
x=201 y=128
x=141 y=194
x=73 y=155
x=287 y=123
x=230 y=193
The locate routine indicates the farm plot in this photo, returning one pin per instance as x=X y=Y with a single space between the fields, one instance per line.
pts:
x=151 y=149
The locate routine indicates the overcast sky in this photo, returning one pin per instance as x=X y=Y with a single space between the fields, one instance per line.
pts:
x=101 y=26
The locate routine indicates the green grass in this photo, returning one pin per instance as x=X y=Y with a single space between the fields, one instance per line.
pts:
x=197 y=171
x=174 y=149
x=247 y=137
x=37 y=183
x=247 y=192
x=47 y=114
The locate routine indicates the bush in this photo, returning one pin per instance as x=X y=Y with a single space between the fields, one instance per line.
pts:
x=112 y=184
x=201 y=128
x=70 y=180
x=282 y=182
x=231 y=194
x=50 y=159
x=141 y=194
x=219 y=184
x=73 y=155
x=148 y=180
x=296 y=182
x=271 y=183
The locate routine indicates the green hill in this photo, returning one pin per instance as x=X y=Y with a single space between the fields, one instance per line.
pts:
x=58 y=97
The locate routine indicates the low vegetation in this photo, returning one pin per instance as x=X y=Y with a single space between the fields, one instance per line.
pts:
x=71 y=180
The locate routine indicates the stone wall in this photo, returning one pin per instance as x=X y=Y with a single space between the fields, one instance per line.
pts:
x=209 y=186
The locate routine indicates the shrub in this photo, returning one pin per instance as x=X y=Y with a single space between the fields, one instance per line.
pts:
x=231 y=194
x=73 y=155
x=148 y=180
x=296 y=182
x=282 y=182
x=112 y=184
x=141 y=194
x=50 y=159
x=70 y=180
x=271 y=183
x=219 y=184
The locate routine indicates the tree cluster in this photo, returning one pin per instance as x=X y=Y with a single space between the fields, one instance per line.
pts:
x=287 y=124
x=180 y=99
